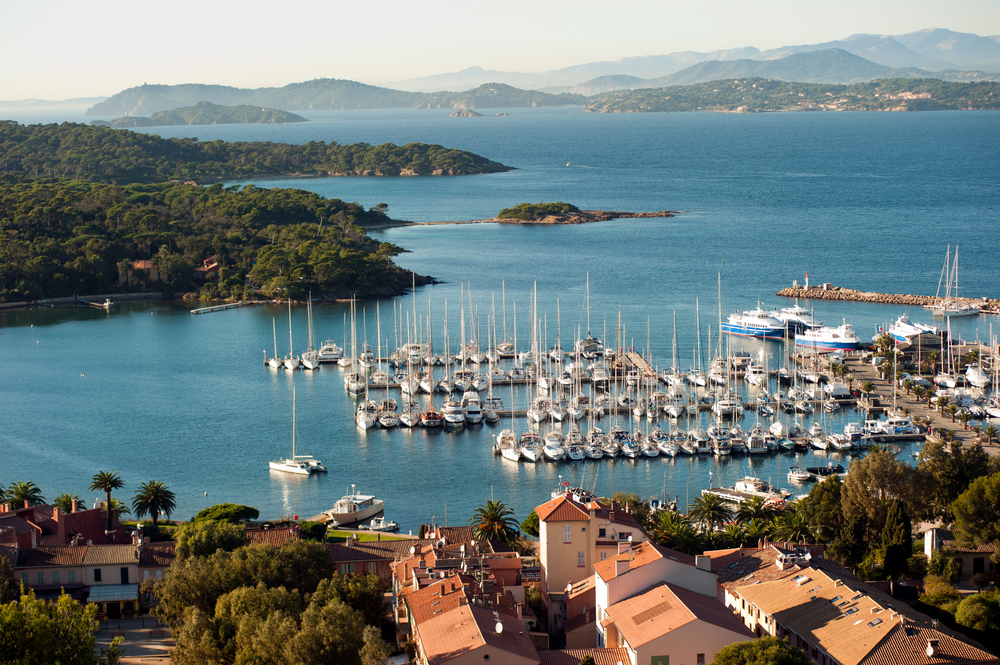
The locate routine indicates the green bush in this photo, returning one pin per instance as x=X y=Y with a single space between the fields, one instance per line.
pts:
x=979 y=612
x=313 y=531
x=228 y=512
x=531 y=211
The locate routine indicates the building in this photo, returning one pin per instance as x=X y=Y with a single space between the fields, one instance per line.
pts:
x=639 y=567
x=573 y=536
x=139 y=264
x=972 y=558
x=834 y=617
x=470 y=634
x=209 y=268
x=668 y=624
x=43 y=524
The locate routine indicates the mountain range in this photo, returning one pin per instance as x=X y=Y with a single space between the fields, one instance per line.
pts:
x=932 y=50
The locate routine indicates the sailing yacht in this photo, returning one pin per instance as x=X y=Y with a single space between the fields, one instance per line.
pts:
x=951 y=305
x=302 y=465
x=310 y=357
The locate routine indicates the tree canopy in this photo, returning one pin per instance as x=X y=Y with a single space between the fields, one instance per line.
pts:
x=228 y=512
x=767 y=650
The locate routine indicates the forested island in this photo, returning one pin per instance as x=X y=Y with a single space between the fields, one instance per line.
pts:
x=205 y=113
x=60 y=237
x=756 y=94
x=122 y=157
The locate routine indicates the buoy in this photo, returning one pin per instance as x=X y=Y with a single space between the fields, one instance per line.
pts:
x=81 y=376
x=206 y=493
x=37 y=342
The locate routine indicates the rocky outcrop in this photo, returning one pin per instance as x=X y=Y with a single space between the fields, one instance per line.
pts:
x=465 y=113
x=830 y=292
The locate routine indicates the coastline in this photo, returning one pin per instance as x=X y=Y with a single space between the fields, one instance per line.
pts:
x=581 y=217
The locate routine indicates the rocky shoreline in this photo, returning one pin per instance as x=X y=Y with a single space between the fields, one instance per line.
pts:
x=579 y=217
x=829 y=292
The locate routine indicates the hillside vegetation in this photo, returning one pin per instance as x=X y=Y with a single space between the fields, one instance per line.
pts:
x=207 y=113
x=60 y=237
x=121 y=157
x=757 y=94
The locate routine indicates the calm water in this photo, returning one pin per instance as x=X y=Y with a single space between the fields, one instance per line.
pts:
x=863 y=200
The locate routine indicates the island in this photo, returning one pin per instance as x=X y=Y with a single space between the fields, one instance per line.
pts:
x=465 y=113
x=543 y=214
x=120 y=157
x=207 y=113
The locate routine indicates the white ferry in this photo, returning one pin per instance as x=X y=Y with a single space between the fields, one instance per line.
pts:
x=797 y=318
x=841 y=338
x=754 y=323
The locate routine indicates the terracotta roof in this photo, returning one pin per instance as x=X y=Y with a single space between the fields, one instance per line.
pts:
x=582 y=587
x=393 y=549
x=51 y=556
x=436 y=599
x=665 y=607
x=574 y=656
x=340 y=553
x=562 y=509
x=907 y=646
x=455 y=534
x=503 y=563
x=157 y=554
x=465 y=628
x=273 y=537
x=99 y=555
x=642 y=554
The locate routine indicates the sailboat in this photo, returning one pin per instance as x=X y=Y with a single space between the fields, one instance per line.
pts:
x=291 y=360
x=274 y=362
x=310 y=357
x=302 y=465
x=951 y=305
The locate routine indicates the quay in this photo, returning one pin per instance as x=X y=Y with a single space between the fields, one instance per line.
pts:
x=830 y=292
x=219 y=308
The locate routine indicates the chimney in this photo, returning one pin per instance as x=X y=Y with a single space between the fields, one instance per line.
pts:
x=624 y=547
x=703 y=563
x=26 y=504
x=520 y=610
x=621 y=567
x=76 y=506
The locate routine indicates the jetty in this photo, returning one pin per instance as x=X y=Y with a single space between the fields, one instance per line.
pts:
x=831 y=292
x=219 y=308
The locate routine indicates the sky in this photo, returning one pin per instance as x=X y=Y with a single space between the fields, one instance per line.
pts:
x=60 y=49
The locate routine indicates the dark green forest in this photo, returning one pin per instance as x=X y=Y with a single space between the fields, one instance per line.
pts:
x=122 y=157
x=530 y=211
x=205 y=113
x=60 y=237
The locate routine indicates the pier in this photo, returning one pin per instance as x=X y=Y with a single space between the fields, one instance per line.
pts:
x=219 y=308
x=830 y=292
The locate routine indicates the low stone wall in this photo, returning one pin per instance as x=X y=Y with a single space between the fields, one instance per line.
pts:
x=839 y=293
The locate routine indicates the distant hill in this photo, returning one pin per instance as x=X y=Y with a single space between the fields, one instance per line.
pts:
x=76 y=102
x=320 y=94
x=961 y=49
x=207 y=113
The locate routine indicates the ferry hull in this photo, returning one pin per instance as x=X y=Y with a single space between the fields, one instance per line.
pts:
x=760 y=333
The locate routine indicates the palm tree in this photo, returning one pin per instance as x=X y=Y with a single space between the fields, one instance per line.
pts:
x=64 y=502
x=908 y=385
x=965 y=417
x=791 y=527
x=687 y=539
x=106 y=481
x=757 y=530
x=942 y=402
x=153 y=498
x=666 y=524
x=22 y=494
x=120 y=507
x=735 y=534
x=494 y=521
x=932 y=359
x=755 y=508
x=867 y=387
x=952 y=410
x=990 y=432
x=710 y=509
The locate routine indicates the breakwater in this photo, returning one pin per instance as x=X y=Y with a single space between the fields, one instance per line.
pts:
x=830 y=292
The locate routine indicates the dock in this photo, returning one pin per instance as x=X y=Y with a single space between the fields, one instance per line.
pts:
x=219 y=308
x=831 y=292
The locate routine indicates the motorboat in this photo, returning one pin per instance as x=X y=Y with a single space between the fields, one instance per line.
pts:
x=452 y=413
x=353 y=508
x=380 y=524
x=797 y=475
x=975 y=375
x=905 y=331
x=840 y=338
x=472 y=407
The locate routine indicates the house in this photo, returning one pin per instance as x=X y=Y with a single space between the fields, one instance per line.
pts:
x=155 y=558
x=834 y=617
x=209 y=268
x=573 y=536
x=50 y=570
x=637 y=567
x=973 y=558
x=144 y=264
x=669 y=624
x=355 y=561
x=471 y=634
x=47 y=525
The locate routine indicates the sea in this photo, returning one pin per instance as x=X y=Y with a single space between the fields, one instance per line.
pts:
x=869 y=201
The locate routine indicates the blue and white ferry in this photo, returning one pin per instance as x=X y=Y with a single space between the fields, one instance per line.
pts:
x=754 y=323
x=840 y=338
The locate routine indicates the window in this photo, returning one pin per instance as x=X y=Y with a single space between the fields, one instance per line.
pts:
x=24 y=578
x=159 y=574
x=41 y=578
x=604 y=555
x=71 y=576
x=145 y=575
x=701 y=659
x=602 y=532
x=346 y=568
x=580 y=559
x=55 y=577
x=97 y=574
x=371 y=567
x=567 y=533
x=623 y=535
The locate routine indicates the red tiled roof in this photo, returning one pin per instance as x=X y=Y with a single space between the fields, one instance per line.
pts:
x=51 y=556
x=158 y=554
x=273 y=537
x=437 y=598
x=465 y=628
x=907 y=646
x=574 y=656
x=342 y=553
x=99 y=555
x=641 y=554
x=562 y=509
x=946 y=538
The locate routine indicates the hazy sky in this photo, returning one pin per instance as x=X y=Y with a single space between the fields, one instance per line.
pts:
x=57 y=49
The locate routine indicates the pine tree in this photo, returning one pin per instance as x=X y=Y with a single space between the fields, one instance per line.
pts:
x=896 y=540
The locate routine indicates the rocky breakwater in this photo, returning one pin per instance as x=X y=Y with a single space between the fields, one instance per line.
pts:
x=829 y=292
